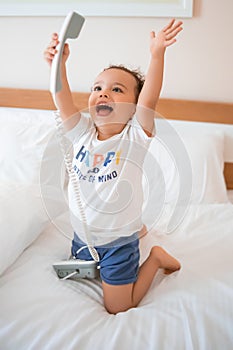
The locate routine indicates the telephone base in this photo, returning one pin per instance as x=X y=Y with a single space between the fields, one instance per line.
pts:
x=76 y=269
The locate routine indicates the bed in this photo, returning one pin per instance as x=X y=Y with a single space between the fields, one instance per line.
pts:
x=190 y=309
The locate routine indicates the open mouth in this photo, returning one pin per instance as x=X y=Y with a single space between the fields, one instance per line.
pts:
x=103 y=109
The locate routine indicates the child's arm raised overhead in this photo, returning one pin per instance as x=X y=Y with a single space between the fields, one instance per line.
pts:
x=64 y=98
x=150 y=92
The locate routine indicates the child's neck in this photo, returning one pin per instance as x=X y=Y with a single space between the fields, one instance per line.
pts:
x=106 y=131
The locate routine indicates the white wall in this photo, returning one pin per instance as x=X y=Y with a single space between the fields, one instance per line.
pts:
x=199 y=66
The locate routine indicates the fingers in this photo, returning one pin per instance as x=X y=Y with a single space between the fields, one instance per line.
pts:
x=152 y=35
x=49 y=54
x=51 y=51
x=173 y=33
x=173 y=26
x=169 y=25
x=169 y=32
x=54 y=40
x=170 y=42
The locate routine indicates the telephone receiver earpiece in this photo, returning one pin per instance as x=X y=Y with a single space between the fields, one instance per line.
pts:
x=70 y=30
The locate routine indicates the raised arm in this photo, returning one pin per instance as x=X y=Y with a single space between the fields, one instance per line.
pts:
x=64 y=98
x=149 y=95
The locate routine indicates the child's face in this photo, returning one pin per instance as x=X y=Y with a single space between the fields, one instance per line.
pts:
x=112 y=99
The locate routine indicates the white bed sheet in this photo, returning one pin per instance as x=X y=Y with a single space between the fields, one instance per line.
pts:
x=190 y=309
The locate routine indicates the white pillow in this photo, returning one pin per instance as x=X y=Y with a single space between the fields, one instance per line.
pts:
x=183 y=127
x=182 y=167
x=22 y=219
x=206 y=155
x=30 y=153
x=183 y=153
x=25 y=134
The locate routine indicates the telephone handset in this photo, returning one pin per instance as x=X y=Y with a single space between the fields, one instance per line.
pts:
x=70 y=29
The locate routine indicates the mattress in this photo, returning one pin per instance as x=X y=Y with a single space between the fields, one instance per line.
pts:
x=190 y=309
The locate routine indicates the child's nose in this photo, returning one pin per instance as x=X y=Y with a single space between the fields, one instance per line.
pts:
x=104 y=94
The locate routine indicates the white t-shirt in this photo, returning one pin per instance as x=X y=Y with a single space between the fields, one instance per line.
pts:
x=110 y=180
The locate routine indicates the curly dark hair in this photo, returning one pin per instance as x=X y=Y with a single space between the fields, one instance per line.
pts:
x=138 y=76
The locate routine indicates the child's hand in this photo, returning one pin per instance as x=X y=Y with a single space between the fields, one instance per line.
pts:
x=51 y=51
x=164 y=38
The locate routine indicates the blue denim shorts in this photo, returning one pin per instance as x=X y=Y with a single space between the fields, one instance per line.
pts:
x=119 y=263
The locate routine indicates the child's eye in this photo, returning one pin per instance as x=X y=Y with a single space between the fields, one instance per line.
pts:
x=117 y=89
x=96 y=88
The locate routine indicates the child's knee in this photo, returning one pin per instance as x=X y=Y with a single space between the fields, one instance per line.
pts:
x=117 y=298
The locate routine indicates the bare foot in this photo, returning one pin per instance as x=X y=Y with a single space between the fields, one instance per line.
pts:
x=165 y=261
